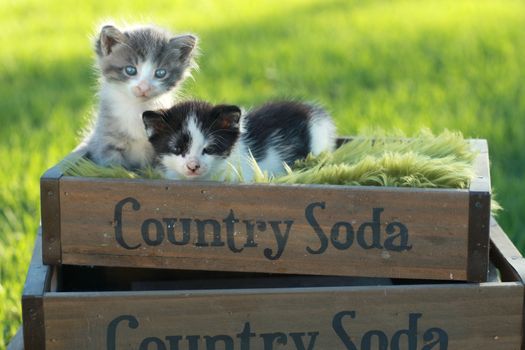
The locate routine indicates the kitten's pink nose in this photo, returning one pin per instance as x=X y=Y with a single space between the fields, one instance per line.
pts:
x=142 y=89
x=193 y=165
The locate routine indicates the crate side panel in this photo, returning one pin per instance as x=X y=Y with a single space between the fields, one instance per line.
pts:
x=37 y=281
x=287 y=229
x=50 y=214
x=462 y=317
x=480 y=203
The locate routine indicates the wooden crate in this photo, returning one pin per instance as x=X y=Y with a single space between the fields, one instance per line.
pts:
x=295 y=229
x=415 y=315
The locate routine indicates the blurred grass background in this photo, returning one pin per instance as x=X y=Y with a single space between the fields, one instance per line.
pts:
x=398 y=65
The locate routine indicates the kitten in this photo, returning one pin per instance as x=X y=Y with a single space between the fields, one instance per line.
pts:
x=196 y=140
x=138 y=70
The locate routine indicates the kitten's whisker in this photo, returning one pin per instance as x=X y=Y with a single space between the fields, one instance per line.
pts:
x=220 y=143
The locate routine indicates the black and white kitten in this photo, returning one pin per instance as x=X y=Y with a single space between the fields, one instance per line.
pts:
x=138 y=70
x=196 y=140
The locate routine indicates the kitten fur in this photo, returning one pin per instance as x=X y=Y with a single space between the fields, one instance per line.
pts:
x=196 y=140
x=117 y=136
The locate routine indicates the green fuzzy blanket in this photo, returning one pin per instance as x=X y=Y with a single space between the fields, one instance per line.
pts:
x=426 y=160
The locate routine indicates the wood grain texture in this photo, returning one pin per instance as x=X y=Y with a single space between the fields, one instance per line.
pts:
x=436 y=220
x=486 y=316
x=448 y=229
x=37 y=283
x=510 y=261
x=502 y=245
x=472 y=316
x=50 y=213
x=479 y=214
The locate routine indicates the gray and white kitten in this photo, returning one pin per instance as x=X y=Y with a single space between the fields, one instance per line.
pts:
x=138 y=70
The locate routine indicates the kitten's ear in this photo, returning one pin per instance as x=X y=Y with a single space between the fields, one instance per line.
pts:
x=109 y=37
x=185 y=44
x=154 y=122
x=227 y=116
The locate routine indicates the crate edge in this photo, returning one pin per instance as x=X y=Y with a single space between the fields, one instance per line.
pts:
x=37 y=282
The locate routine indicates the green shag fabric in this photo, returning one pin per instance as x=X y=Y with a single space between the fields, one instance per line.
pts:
x=79 y=166
x=442 y=161
x=426 y=160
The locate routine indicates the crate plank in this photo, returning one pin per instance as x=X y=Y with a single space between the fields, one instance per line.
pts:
x=469 y=317
x=479 y=214
x=50 y=206
x=462 y=315
x=437 y=247
x=36 y=284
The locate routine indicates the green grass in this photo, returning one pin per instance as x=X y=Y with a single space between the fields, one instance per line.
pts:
x=391 y=64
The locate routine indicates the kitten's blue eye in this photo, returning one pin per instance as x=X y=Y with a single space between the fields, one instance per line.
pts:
x=176 y=151
x=130 y=70
x=160 y=73
x=207 y=150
